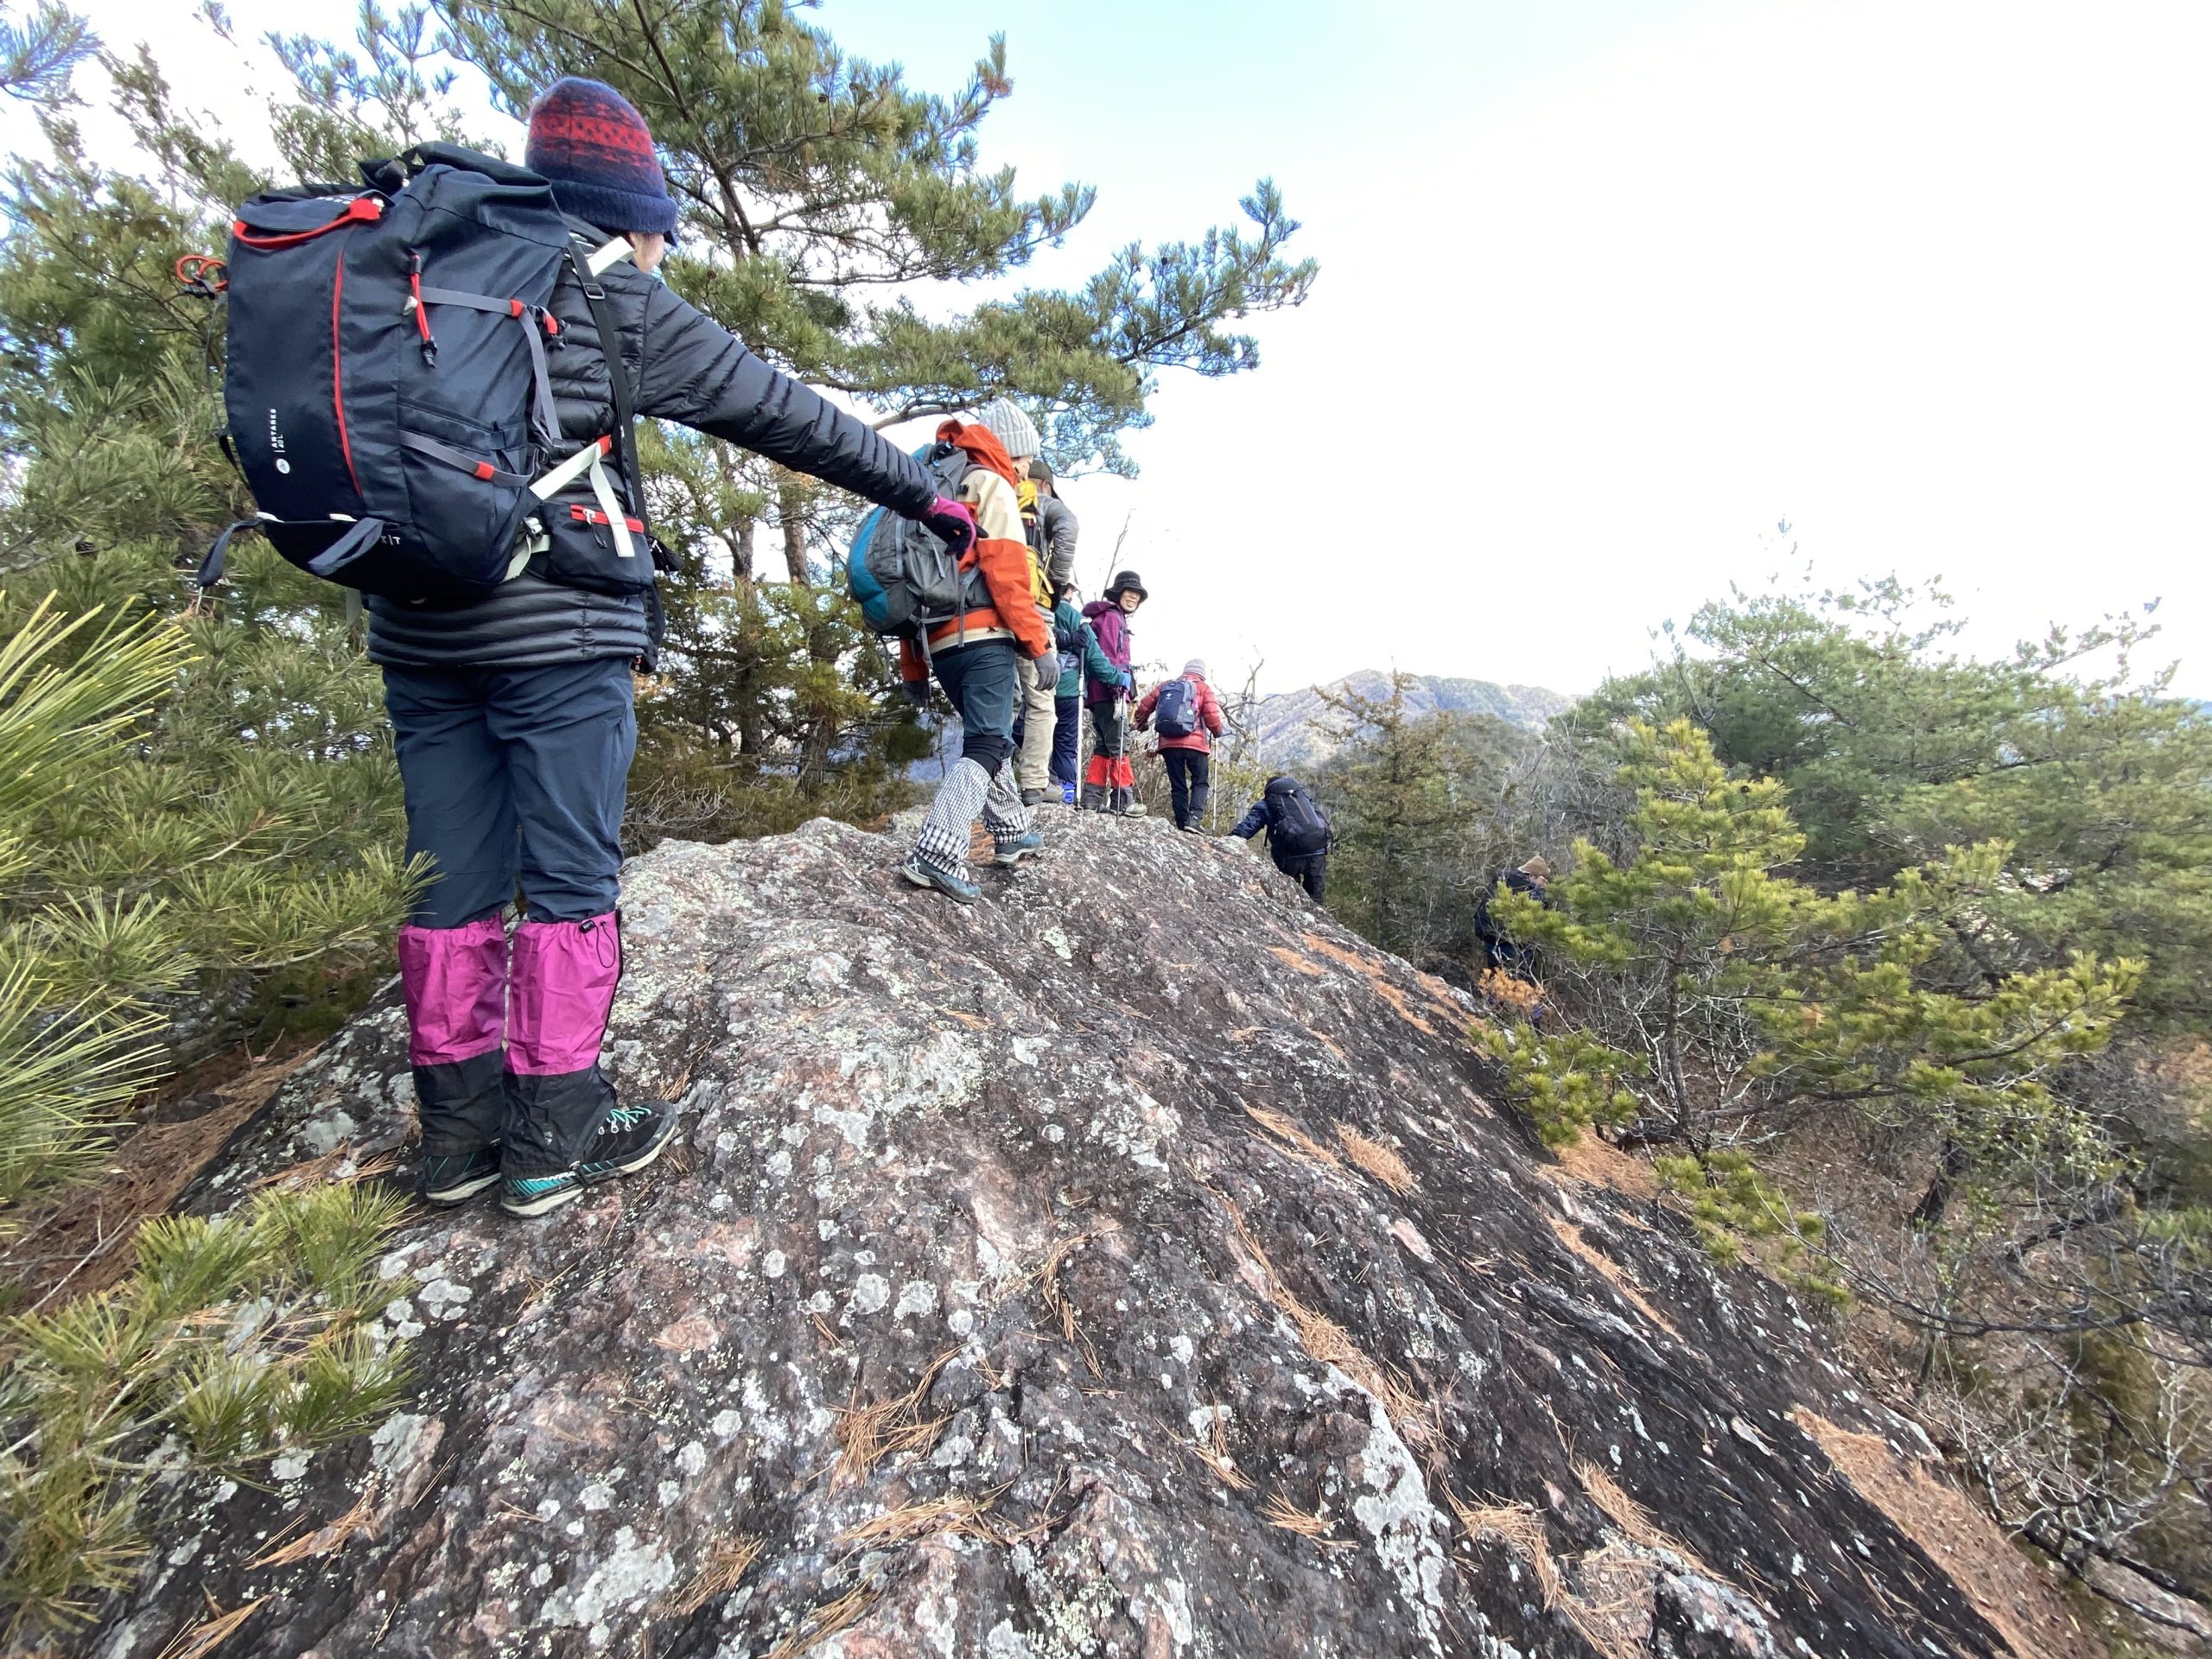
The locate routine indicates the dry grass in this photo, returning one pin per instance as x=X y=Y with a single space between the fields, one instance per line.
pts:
x=868 y=1434
x=1516 y=998
x=726 y=1562
x=1517 y=1526
x=2023 y=1605
x=1327 y=1342
x=1597 y=1162
x=925 y=1519
x=324 y=1540
x=203 y=1639
x=1370 y=965
x=1381 y=1161
x=317 y=1172
x=1046 y=1275
x=1048 y=1290
x=1300 y=1143
x=1279 y=1511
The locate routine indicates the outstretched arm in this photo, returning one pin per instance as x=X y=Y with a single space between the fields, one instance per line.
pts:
x=696 y=373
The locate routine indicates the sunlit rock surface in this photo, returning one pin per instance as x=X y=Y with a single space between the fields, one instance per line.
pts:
x=1132 y=1264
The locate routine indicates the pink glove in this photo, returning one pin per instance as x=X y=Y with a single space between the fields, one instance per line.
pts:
x=951 y=523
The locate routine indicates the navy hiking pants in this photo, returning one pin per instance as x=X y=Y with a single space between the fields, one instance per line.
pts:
x=515 y=774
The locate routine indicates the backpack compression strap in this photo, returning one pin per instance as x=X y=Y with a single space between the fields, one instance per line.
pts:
x=623 y=439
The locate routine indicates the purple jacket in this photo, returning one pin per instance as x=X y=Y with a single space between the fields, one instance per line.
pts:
x=1107 y=622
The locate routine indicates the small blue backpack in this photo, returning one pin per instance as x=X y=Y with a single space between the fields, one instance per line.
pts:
x=1176 y=711
x=904 y=579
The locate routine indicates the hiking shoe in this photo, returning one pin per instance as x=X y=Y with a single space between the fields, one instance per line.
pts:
x=1011 y=852
x=631 y=1138
x=1067 y=794
x=1032 y=797
x=954 y=886
x=452 y=1178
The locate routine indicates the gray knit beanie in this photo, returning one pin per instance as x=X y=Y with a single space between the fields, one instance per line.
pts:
x=1010 y=427
x=1196 y=665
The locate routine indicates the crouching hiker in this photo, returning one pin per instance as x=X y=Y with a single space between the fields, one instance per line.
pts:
x=511 y=712
x=1297 y=831
x=988 y=659
x=1188 y=715
x=1109 y=783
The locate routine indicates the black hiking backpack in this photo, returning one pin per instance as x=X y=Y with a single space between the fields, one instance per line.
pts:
x=1176 y=713
x=1298 y=828
x=907 y=581
x=386 y=392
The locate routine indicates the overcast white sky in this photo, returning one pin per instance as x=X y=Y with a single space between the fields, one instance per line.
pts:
x=1610 y=291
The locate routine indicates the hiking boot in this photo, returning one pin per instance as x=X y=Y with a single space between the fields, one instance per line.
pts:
x=1032 y=797
x=453 y=1177
x=631 y=1138
x=954 y=886
x=1126 y=805
x=1067 y=794
x=1011 y=852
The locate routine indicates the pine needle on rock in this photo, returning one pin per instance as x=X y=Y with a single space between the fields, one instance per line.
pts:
x=724 y=1566
x=1383 y=1162
x=868 y=1434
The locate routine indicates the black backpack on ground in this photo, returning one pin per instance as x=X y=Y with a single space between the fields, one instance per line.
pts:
x=1176 y=713
x=386 y=392
x=1296 y=827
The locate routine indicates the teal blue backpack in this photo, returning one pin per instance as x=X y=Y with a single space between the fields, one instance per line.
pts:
x=906 y=580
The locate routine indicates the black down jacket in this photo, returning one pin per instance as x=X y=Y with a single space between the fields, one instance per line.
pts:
x=686 y=368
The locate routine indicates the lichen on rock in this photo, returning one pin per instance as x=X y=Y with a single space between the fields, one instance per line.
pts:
x=1135 y=1263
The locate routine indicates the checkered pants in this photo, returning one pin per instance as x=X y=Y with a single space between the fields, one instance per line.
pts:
x=966 y=790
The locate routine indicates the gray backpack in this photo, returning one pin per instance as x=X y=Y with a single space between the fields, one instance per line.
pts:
x=906 y=580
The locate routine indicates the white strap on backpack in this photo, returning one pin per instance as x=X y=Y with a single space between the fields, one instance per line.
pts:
x=592 y=458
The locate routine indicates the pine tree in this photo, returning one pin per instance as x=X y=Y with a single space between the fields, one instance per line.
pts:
x=223 y=840
x=816 y=189
x=1411 y=796
x=1745 y=995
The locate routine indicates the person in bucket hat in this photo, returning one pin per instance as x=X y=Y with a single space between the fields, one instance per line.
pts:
x=1108 y=782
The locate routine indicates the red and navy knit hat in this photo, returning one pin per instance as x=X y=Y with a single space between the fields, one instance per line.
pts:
x=597 y=153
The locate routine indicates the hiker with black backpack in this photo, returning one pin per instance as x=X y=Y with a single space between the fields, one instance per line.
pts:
x=1297 y=831
x=430 y=387
x=987 y=643
x=1188 y=717
x=1109 y=783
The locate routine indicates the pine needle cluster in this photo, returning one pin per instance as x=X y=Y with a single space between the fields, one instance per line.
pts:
x=234 y=1340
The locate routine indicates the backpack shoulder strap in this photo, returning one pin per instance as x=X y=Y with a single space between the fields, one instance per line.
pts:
x=589 y=269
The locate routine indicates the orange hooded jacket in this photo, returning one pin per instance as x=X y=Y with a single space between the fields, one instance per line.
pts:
x=1002 y=552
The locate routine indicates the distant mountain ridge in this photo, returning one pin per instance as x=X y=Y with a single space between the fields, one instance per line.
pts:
x=1288 y=737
